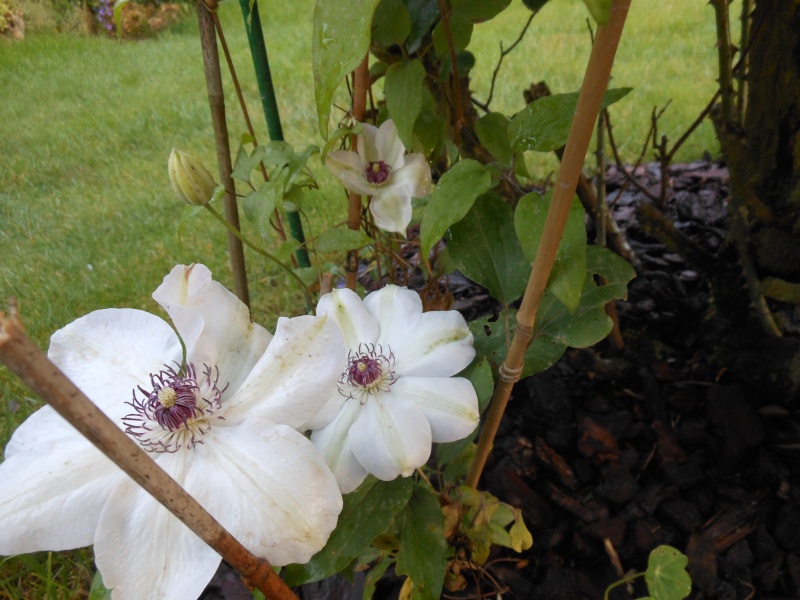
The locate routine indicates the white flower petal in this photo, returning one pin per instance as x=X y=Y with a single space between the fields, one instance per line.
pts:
x=441 y=346
x=390 y=148
x=397 y=310
x=450 y=404
x=333 y=442
x=416 y=174
x=107 y=353
x=349 y=167
x=45 y=426
x=391 y=437
x=347 y=310
x=51 y=497
x=326 y=414
x=295 y=377
x=280 y=500
x=391 y=207
x=214 y=324
x=143 y=551
x=367 y=143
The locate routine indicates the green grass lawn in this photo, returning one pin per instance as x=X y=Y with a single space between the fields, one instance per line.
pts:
x=87 y=218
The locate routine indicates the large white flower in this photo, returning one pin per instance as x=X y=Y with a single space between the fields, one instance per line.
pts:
x=396 y=394
x=222 y=423
x=381 y=169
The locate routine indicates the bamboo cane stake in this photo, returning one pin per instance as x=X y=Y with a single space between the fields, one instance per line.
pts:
x=594 y=85
x=29 y=363
x=360 y=85
x=216 y=101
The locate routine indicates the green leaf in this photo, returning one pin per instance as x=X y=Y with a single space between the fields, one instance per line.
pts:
x=569 y=268
x=429 y=129
x=99 y=591
x=521 y=538
x=544 y=124
x=423 y=549
x=118 y=16
x=424 y=13
x=599 y=9
x=342 y=239
x=666 y=574
x=403 y=91
x=589 y=323
x=485 y=248
x=490 y=340
x=245 y=162
x=374 y=575
x=367 y=512
x=340 y=41
x=480 y=376
x=460 y=32
x=391 y=23
x=478 y=11
x=260 y=205
x=454 y=195
x=534 y=5
x=492 y=131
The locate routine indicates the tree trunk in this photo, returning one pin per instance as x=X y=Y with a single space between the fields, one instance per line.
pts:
x=772 y=134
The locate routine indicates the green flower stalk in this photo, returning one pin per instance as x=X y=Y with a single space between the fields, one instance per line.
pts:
x=190 y=180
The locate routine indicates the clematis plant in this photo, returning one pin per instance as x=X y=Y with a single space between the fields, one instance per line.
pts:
x=221 y=420
x=397 y=393
x=382 y=170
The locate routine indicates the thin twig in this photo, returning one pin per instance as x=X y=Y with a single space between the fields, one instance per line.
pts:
x=459 y=105
x=503 y=54
x=30 y=364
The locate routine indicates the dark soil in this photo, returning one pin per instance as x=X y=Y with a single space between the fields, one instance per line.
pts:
x=615 y=451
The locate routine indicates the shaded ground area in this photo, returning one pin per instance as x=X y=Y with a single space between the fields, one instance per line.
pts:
x=615 y=451
x=655 y=443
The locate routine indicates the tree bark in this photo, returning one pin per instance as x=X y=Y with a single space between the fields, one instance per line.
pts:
x=772 y=121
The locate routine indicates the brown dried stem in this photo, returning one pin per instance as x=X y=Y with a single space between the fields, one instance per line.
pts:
x=594 y=86
x=216 y=101
x=457 y=101
x=359 y=109
x=725 y=54
x=30 y=364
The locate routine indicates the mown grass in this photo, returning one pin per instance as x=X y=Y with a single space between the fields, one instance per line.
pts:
x=87 y=219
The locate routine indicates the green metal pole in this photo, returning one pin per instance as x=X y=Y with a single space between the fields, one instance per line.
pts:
x=258 y=50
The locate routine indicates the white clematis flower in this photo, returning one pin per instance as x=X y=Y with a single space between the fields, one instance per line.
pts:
x=381 y=170
x=397 y=393
x=222 y=424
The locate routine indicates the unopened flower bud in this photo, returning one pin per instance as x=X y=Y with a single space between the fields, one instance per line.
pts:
x=190 y=180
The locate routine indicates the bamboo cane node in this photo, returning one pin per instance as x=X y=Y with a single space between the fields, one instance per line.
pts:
x=508 y=374
x=524 y=330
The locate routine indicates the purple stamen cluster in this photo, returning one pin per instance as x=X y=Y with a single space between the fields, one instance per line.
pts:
x=377 y=172
x=174 y=412
x=368 y=370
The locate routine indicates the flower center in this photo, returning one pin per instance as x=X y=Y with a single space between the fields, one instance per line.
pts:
x=377 y=172
x=177 y=409
x=369 y=371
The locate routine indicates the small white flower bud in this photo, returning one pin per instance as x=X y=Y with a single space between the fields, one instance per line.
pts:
x=190 y=180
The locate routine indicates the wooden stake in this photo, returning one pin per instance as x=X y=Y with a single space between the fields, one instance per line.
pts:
x=594 y=86
x=216 y=101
